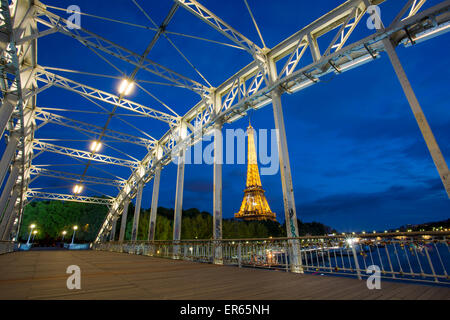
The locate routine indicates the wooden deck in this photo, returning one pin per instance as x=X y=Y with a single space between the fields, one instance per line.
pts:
x=105 y=275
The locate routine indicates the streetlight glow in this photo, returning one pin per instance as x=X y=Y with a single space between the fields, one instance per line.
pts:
x=77 y=189
x=32 y=226
x=34 y=235
x=126 y=87
x=95 y=146
x=75 y=228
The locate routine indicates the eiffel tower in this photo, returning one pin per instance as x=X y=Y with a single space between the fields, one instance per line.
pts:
x=254 y=205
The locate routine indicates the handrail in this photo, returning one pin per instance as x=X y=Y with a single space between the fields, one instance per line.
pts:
x=344 y=236
x=411 y=256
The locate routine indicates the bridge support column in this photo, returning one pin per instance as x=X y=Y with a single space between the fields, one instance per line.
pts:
x=427 y=134
x=7 y=189
x=6 y=110
x=179 y=201
x=290 y=211
x=137 y=212
x=5 y=226
x=217 y=198
x=8 y=156
x=154 y=208
x=123 y=224
x=15 y=229
x=112 y=235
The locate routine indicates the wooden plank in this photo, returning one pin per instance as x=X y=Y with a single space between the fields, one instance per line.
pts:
x=106 y=275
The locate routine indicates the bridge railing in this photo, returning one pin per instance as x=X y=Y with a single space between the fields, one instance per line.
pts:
x=7 y=246
x=411 y=256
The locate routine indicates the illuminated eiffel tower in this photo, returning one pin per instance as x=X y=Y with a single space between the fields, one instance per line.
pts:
x=254 y=205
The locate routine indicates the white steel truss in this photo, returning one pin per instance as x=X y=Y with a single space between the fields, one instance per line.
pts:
x=18 y=62
x=250 y=88
x=48 y=117
x=247 y=89
x=94 y=41
x=61 y=82
x=66 y=197
x=221 y=26
x=38 y=171
x=48 y=147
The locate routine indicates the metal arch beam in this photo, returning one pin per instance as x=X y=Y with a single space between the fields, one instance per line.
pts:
x=10 y=214
x=61 y=82
x=413 y=5
x=95 y=41
x=37 y=171
x=67 y=197
x=225 y=29
x=346 y=58
x=155 y=38
x=136 y=70
x=48 y=117
x=47 y=147
x=319 y=27
x=20 y=58
x=123 y=222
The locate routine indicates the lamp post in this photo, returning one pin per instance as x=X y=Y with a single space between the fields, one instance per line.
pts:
x=74 y=230
x=34 y=234
x=63 y=233
x=32 y=226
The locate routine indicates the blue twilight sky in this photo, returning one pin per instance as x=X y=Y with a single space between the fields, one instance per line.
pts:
x=358 y=159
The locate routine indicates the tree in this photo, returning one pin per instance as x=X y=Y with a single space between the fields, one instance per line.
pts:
x=52 y=217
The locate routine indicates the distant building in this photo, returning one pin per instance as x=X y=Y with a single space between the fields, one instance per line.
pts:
x=254 y=205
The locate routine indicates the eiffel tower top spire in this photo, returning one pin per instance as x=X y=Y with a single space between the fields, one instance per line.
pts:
x=253 y=178
x=254 y=205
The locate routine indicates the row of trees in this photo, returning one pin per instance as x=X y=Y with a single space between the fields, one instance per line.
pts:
x=52 y=217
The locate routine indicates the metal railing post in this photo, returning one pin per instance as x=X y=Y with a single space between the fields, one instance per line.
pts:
x=431 y=264
x=239 y=254
x=355 y=257
x=276 y=253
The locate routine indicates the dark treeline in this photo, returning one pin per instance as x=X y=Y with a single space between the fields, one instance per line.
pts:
x=52 y=217
x=429 y=226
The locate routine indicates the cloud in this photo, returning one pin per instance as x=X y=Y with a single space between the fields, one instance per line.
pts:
x=199 y=185
x=392 y=207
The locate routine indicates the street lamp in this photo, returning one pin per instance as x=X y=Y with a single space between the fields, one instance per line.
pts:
x=34 y=234
x=77 y=189
x=126 y=87
x=74 y=230
x=95 y=146
x=32 y=226
x=63 y=233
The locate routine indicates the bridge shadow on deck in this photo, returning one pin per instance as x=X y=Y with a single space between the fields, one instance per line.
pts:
x=106 y=275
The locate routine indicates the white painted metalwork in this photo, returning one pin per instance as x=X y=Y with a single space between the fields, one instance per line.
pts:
x=65 y=83
x=67 y=197
x=48 y=147
x=407 y=256
x=272 y=72
x=94 y=41
x=38 y=171
x=48 y=117
x=247 y=88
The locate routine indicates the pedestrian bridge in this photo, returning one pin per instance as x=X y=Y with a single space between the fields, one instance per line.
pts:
x=108 y=275
x=411 y=265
